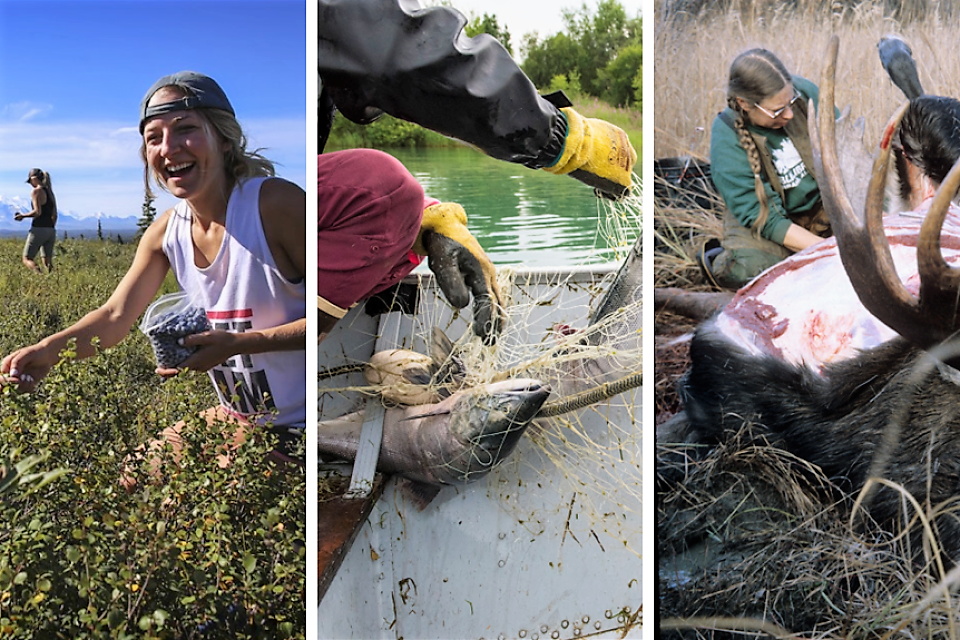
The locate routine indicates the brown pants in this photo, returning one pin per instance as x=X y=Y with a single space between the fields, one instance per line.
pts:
x=745 y=255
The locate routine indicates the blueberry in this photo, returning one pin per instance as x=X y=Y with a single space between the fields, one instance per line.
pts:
x=169 y=327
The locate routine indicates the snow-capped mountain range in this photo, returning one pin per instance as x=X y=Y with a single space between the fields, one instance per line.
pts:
x=66 y=220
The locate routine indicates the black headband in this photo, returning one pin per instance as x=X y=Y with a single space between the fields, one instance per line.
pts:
x=202 y=92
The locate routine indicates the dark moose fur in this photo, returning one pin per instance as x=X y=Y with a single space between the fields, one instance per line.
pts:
x=838 y=421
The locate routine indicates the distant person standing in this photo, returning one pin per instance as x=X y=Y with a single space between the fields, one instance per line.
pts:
x=43 y=233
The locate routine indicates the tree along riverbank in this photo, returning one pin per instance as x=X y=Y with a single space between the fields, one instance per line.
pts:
x=391 y=133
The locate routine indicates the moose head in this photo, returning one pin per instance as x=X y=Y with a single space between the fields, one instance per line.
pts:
x=926 y=319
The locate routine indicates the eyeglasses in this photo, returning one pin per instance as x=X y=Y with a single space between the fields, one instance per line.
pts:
x=776 y=114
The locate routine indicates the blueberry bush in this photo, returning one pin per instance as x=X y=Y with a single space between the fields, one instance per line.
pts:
x=200 y=552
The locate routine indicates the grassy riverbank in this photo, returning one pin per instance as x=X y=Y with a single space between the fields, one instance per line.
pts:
x=390 y=133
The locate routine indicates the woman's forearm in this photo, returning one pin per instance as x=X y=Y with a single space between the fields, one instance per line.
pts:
x=798 y=238
x=291 y=336
x=101 y=325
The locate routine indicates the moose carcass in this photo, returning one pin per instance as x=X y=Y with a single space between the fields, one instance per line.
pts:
x=833 y=366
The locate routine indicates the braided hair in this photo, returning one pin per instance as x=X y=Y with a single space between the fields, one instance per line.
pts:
x=754 y=76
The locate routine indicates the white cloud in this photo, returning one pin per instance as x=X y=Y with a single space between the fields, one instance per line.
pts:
x=24 y=111
x=65 y=146
x=90 y=145
x=284 y=142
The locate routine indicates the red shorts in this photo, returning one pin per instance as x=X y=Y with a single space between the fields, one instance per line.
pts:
x=369 y=209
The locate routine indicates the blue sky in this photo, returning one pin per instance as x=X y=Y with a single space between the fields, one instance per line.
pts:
x=72 y=74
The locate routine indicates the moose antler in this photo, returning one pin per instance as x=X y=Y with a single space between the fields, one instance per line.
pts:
x=863 y=246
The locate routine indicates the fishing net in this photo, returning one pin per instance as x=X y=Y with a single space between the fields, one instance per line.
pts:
x=584 y=463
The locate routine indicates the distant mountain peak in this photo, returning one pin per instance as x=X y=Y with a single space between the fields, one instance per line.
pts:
x=66 y=220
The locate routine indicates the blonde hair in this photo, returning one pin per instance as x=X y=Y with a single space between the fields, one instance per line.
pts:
x=754 y=76
x=48 y=186
x=238 y=161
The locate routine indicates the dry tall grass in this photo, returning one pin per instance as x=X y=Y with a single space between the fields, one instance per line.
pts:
x=692 y=60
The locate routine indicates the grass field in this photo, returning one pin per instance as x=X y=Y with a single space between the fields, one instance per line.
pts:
x=206 y=552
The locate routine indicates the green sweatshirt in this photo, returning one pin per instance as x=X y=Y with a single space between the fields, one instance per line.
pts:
x=733 y=177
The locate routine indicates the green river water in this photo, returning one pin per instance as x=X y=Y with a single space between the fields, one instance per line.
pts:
x=519 y=216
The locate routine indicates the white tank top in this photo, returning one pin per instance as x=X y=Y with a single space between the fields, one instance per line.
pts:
x=242 y=290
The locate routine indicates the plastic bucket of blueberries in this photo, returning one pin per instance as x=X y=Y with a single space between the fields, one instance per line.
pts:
x=167 y=321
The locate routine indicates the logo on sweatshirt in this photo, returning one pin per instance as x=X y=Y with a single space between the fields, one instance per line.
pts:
x=789 y=165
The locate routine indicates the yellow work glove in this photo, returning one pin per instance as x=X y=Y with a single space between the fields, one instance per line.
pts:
x=461 y=266
x=596 y=153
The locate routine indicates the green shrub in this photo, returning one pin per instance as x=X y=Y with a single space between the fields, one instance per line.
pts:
x=569 y=84
x=622 y=76
x=204 y=553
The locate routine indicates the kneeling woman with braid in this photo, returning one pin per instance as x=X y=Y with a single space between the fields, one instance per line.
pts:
x=762 y=166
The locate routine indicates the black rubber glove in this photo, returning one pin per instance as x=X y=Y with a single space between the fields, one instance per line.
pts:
x=461 y=267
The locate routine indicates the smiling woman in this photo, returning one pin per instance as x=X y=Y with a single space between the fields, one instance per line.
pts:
x=246 y=274
x=225 y=227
